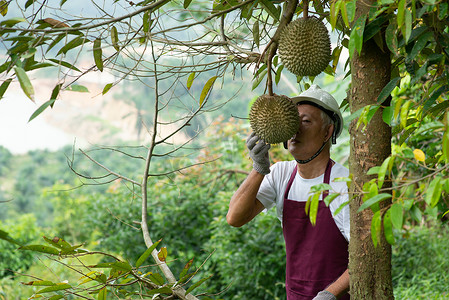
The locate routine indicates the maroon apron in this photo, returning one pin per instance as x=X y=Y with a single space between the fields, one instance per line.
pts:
x=316 y=255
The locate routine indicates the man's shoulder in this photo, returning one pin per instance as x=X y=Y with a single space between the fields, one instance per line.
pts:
x=283 y=166
x=340 y=170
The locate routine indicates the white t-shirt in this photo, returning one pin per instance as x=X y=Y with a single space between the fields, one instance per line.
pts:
x=271 y=191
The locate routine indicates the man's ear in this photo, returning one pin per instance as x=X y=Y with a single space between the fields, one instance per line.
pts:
x=330 y=130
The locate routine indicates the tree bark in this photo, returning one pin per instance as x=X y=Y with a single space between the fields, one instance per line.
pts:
x=369 y=266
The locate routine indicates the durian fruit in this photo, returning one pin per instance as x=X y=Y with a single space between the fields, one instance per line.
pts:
x=305 y=47
x=274 y=119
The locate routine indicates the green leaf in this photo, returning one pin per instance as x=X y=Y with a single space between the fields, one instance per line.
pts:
x=376 y=224
x=442 y=10
x=256 y=36
x=419 y=45
x=102 y=295
x=39 y=283
x=433 y=192
x=383 y=171
x=114 y=38
x=55 y=93
x=157 y=278
x=11 y=22
x=3 y=7
x=408 y=25
x=320 y=187
x=396 y=215
x=64 y=64
x=78 y=88
x=337 y=211
x=206 y=89
x=197 y=284
x=187 y=3
x=190 y=80
x=314 y=208
x=4 y=86
x=258 y=79
x=78 y=41
x=272 y=11
x=329 y=198
x=435 y=95
x=186 y=268
x=388 y=228
x=107 y=87
x=162 y=290
x=391 y=38
x=41 y=249
x=146 y=254
x=277 y=78
x=387 y=115
x=373 y=200
x=356 y=37
x=5 y=236
x=98 y=54
x=57 y=287
x=373 y=170
x=146 y=22
x=41 y=109
x=28 y=3
x=56 y=297
x=333 y=14
x=386 y=91
x=404 y=113
x=25 y=83
x=446 y=145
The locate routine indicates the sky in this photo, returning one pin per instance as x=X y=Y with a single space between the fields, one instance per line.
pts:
x=18 y=135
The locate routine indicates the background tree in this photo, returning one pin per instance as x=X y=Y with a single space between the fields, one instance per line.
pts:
x=149 y=40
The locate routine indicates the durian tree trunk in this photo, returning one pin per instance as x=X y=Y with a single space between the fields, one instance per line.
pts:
x=369 y=266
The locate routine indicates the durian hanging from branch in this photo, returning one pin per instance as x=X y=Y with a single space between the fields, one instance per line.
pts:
x=274 y=118
x=304 y=45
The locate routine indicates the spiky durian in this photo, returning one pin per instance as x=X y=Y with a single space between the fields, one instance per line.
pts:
x=305 y=47
x=274 y=119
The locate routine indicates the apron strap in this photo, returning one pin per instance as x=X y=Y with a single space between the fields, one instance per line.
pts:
x=327 y=176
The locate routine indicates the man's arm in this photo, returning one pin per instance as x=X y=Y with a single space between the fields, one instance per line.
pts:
x=244 y=205
x=337 y=289
x=340 y=286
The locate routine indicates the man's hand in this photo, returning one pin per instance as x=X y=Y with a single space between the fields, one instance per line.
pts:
x=325 y=295
x=258 y=151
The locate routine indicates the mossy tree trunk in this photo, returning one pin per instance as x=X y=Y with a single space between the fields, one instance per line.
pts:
x=369 y=266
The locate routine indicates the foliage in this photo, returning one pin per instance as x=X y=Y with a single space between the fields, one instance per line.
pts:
x=420 y=263
x=262 y=276
x=22 y=229
x=5 y=160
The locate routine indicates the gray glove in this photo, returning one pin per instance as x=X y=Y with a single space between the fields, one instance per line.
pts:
x=325 y=295
x=258 y=151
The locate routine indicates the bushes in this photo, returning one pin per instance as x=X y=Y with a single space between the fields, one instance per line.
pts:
x=420 y=264
x=249 y=262
x=23 y=230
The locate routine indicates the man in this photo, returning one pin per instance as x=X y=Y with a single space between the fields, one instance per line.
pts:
x=317 y=256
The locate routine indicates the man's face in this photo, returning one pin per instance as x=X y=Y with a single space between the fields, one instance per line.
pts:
x=311 y=134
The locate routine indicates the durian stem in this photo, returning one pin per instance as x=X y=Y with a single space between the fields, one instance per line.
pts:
x=272 y=46
x=305 y=9
x=269 y=77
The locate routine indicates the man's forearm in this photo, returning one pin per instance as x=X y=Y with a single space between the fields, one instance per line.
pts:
x=340 y=286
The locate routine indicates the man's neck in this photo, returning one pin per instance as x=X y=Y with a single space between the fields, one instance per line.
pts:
x=314 y=168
